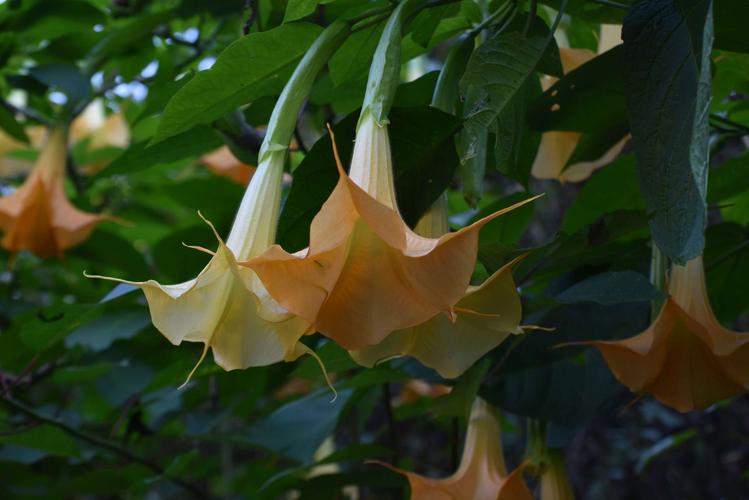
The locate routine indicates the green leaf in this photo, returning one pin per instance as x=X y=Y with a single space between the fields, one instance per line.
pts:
x=100 y=333
x=567 y=391
x=44 y=438
x=185 y=145
x=352 y=60
x=668 y=98
x=124 y=36
x=81 y=374
x=9 y=124
x=612 y=188
x=298 y=428
x=254 y=66
x=297 y=9
x=421 y=140
x=44 y=327
x=587 y=99
x=64 y=77
x=495 y=74
x=731 y=20
x=727 y=270
x=614 y=287
x=729 y=179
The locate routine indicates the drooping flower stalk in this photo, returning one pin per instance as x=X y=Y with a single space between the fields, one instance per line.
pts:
x=366 y=273
x=227 y=307
x=38 y=216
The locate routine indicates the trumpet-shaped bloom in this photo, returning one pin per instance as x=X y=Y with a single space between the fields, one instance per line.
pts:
x=366 y=273
x=226 y=307
x=38 y=216
x=686 y=358
x=486 y=316
x=557 y=147
x=555 y=483
x=482 y=474
x=223 y=162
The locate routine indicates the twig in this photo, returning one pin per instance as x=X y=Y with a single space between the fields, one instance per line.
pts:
x=727 y=121
x=251 y=5
x=101 y=443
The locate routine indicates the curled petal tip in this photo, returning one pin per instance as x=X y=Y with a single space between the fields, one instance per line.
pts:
x=195 y=368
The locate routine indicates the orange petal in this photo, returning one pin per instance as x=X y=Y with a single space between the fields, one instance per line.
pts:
x=673 y=361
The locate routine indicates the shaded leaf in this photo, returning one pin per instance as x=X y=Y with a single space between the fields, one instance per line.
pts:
x=668 y=97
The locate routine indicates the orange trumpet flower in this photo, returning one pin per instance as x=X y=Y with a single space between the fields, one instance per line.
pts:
x=38 y=216
x=366 y=273
x=482 y=474
x=487 y=315
x=686 y=358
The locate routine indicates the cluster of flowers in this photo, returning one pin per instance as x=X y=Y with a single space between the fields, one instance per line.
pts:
x=373 y=285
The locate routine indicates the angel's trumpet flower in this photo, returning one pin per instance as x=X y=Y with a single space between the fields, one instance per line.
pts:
x=226 y=307
x=487 y=315
x=366 y=273
x=482 y=474
x=557 y=147
x=555 y=482
x=38 y=216
x=686 y=358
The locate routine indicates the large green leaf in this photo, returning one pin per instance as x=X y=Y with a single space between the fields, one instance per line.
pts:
x=495 y=74
x=185 y=145
x=298 y=428
x=667 y=53
x=612 y=188
x=254 y=66
x=609 y=288
x=586 y=99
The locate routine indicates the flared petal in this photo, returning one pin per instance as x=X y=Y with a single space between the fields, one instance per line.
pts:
x=514 y=488
x=220 y=309
x=673 y=360
x=38 y=217
x=486 y=316
x=366 y=274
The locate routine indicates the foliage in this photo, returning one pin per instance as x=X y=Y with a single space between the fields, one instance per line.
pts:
x=91 y=396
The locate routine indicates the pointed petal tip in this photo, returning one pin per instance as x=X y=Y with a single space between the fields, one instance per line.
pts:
x=336 y=155
x=195 y=368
